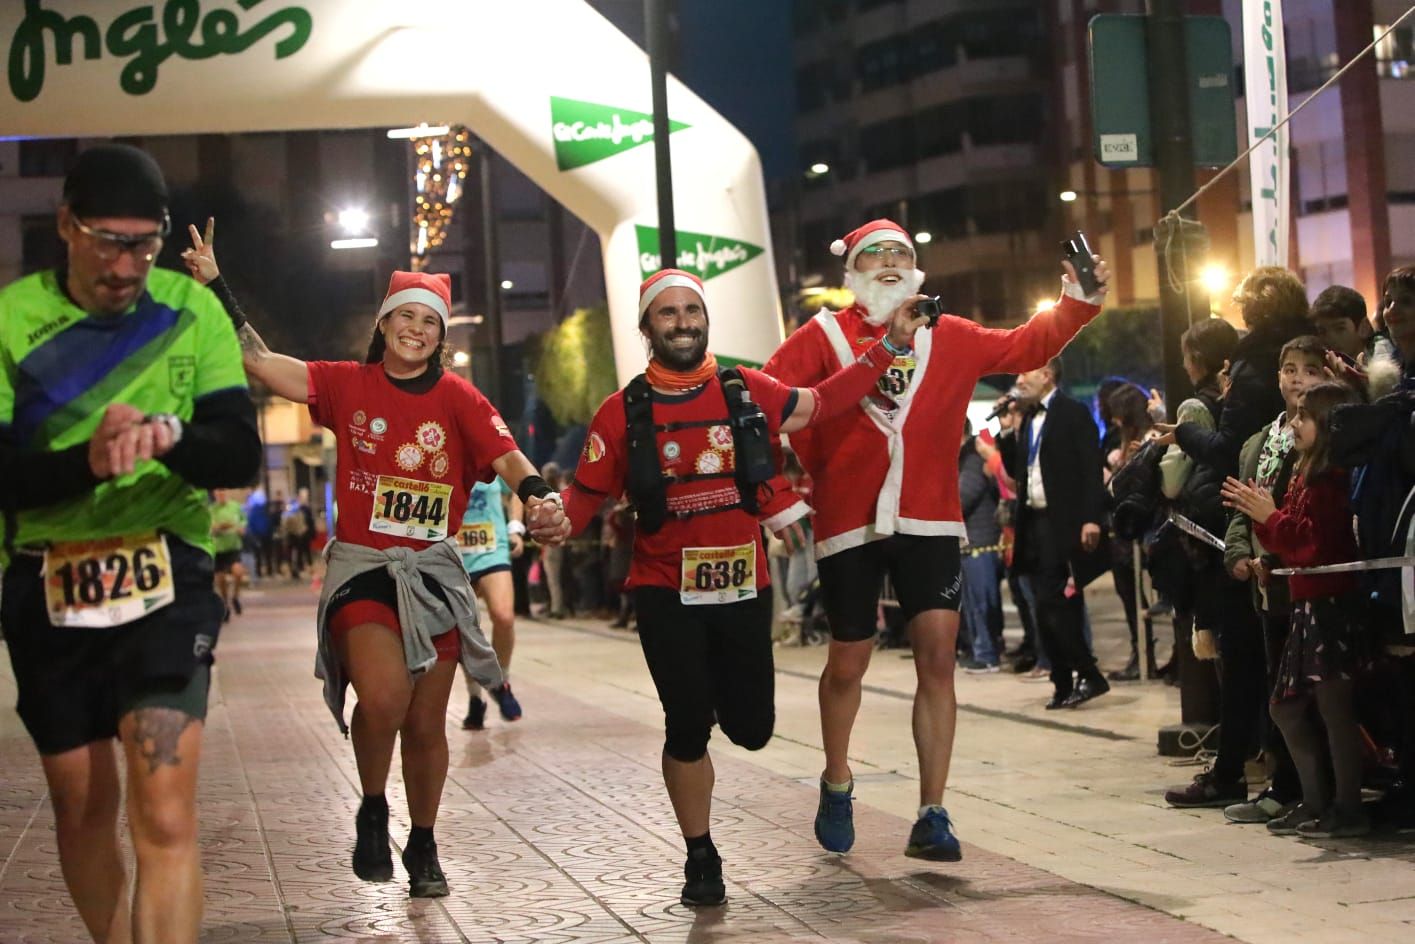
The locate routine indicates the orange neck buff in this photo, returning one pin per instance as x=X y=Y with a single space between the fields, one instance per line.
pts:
x=666 y=378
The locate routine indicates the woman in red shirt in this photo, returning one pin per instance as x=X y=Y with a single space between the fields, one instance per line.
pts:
x=397 y=613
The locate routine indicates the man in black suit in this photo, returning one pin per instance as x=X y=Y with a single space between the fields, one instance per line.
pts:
x=1055 y=458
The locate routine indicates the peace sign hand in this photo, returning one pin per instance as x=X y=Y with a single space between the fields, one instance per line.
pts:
x=201 y=258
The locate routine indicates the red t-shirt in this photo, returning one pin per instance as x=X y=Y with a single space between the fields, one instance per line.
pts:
x=407 y=461
x=703 y=448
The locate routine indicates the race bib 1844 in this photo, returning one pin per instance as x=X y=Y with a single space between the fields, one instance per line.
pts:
x=718 y=574
x=410 y=508
x=107 y=582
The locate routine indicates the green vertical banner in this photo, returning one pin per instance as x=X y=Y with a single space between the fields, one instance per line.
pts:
x=1120 y=97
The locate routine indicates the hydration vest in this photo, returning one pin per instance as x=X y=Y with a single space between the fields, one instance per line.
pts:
x=647 y=483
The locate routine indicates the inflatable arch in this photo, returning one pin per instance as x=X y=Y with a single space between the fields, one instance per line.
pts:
x=549 y=84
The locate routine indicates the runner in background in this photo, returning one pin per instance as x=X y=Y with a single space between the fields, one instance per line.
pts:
x=489 y=542
x=228 y=531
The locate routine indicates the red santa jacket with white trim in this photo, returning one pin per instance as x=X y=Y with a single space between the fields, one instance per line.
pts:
x=879 y=472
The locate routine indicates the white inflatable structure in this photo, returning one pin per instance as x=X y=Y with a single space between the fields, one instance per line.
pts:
x=549 y=84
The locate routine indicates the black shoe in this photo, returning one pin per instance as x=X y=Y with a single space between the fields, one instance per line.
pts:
x=476 y=715
x=1131 y=672
x=702 y=879
x=425 y=878
x=1207 y=791
x=1059 y=700
x=1086 y=689
x=373 y=862
x=1024 y=663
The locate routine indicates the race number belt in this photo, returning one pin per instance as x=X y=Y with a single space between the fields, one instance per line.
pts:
x=410 y=508
x=477 y=537
x=718 y=574
x=107 y=582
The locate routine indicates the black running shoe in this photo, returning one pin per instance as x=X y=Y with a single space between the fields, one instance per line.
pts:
x=702 y=874
x=236 y=605
x=425 y=878
x=373 y=862
x=476 y=715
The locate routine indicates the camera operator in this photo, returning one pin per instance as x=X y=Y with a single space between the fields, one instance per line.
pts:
x=886 y=476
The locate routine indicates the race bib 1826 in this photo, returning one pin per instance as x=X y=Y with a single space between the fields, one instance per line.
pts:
x=107 y=582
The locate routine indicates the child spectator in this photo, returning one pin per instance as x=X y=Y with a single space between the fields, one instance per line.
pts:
x=1327 y=643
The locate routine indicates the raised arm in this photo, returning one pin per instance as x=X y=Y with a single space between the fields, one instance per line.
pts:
x=287 y=376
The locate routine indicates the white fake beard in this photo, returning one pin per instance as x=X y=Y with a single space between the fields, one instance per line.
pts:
x=878 y=299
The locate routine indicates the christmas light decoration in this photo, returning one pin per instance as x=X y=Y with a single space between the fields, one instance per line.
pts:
x=442 y=165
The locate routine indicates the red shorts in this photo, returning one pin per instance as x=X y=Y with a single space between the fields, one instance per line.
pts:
x=370 y=598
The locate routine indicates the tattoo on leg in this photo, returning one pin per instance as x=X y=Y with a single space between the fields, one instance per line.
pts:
x=155 y=734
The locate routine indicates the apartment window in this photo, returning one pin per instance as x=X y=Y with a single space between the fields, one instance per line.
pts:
x=47 y=158
x=887 y=144
x=942 y=212
x=1395 y=53
x=934 y=47
x=998 y=33
x=1010 y=119
x=939 y=130
x=883 y=63
x=1006 y=206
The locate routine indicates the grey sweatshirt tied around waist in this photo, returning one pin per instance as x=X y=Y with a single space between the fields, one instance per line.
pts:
x=420 y=613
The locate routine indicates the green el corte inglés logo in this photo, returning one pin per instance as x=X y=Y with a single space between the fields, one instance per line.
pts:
x=183 y=31
x=704 y=256
x=585 y=132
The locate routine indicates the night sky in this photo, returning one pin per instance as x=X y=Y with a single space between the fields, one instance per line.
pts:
x=736 y=54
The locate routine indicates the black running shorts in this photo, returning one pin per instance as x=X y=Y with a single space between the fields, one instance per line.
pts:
x=76 y=683
x=924 y=570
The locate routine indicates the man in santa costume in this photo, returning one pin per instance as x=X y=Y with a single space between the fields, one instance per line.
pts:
x=886 y=499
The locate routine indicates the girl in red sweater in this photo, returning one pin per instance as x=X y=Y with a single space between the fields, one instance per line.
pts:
x=1327 y=645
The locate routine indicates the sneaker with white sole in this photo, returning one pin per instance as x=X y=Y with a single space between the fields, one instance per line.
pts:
x=1288 y=823
x=1260 y=809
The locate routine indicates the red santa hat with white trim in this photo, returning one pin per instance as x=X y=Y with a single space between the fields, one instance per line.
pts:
x=431 y=289
x=875 y=231
x=667 y=278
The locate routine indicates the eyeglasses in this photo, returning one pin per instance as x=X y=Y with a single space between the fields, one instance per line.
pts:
x=109 y=246
x=877 y=251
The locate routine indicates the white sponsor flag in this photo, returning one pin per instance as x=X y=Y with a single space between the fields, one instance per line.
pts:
x=1265 y=81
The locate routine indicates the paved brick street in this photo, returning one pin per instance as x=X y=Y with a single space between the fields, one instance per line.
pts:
x=557 y=828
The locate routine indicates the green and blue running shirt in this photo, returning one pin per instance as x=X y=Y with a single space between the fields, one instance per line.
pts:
x=59 y=370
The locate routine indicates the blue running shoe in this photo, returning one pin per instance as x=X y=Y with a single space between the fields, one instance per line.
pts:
x=835 y=819
x=510 y=707
x=932 y=838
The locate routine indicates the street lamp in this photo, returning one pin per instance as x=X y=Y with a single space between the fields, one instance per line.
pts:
x=507 y=285
x=923 y=238
x=354 y=220
x=819 y=168
x=1068 y=196
x=1214 y=278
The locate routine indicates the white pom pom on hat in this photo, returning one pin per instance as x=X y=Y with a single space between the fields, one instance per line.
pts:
x=837 y=248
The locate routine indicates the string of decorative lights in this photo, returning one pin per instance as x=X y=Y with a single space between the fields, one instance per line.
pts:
x=442 y=164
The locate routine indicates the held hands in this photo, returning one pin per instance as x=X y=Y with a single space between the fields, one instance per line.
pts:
x=546 y=521
x=905 y=321
x=123 y=439
x=1090 y=536
x=1253 y=500
x=518 y=546
x=1102 y=271
x=201 y=258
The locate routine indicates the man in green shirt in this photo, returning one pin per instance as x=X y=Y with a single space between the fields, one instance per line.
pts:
x=228 y=530
x=122 y=400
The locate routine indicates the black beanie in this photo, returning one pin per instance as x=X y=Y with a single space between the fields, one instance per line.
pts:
x=116 y=180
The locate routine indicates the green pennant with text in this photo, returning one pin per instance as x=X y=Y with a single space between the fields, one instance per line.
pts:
x=586 y=132
x=703 y=255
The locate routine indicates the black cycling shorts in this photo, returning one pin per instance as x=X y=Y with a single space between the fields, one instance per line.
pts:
x=709 y=663
x=225 y=560
x=76 y=683
x=924 y=571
